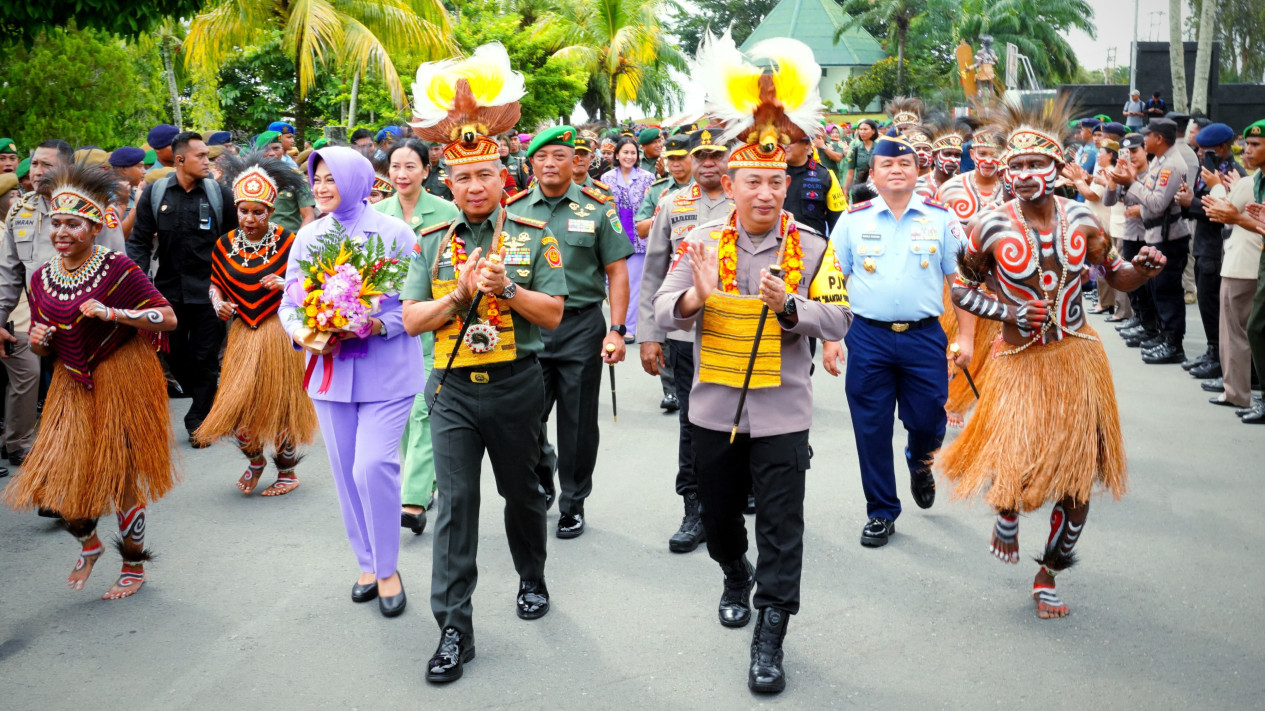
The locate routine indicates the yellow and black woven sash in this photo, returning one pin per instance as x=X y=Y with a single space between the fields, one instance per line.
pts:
x=729 y=328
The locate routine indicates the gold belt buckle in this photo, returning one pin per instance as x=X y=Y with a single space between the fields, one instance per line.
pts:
x=900 y=327
x=479 y=377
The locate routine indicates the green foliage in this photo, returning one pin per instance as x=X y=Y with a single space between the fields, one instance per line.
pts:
x=83 y=86
x=24 y=20
x=879 y=82
x=743 y=15
x=554 y=84
x=1238 y=29
x=1036 y=27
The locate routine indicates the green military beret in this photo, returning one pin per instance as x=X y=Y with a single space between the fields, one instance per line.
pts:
x=1255 y=130
x=150 y=157
x=23 y=168
x=648 y=136
x=265 y=138
x=7 y=146
x=320 y=143
x=556 y=136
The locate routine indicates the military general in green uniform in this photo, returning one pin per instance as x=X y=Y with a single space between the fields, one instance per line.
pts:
x=651 y=142
x=594 y=252
x=491 y=396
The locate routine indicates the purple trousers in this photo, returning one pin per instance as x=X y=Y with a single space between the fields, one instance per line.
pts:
x=636 y=263
x=363 y=442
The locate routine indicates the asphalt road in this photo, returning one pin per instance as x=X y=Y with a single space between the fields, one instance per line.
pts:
x=247 y=605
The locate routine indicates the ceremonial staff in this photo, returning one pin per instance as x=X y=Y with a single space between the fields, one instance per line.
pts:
x=610 y=348
x=775 y=270
x=955 y=349
x=471 y=314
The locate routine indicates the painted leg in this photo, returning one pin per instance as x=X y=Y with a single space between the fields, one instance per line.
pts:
x=286 y=459
x=84 y=531
x=1005 y=543
x=1066 y=522
x=254 y=452
x=131 y=545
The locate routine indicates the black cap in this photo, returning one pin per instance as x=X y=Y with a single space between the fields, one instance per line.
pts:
x=1131 y=141
x=706 y=139
x=676 y=145
x=1165 y=127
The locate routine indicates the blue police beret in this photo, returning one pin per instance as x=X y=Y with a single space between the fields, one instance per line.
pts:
x=161 y=135
x=1090 y=123
x=126 y=157
x=219 y=138
x=280 y=127
x=1116 y=129
x=1214 y=134
x=892 y=145
x=393 y=130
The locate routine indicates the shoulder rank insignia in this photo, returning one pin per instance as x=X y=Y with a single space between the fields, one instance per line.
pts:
x=517 y=196
x=935 y=203
x=660 y=180
x=538 y=224
x=600 y=185
x=859 y=206
x=593 y=193
x=694 y=193
x=435 y=228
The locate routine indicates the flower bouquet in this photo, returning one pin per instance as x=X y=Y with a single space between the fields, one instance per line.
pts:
x=344 y=281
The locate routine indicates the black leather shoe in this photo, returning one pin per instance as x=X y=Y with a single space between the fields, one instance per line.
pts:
x=1206 y=370
x=1255 y=416
x=1134 y=331
x=16 y=458
x=393 y=606
x=448 y=663
x=669 y=404
x=691 y=532
x=1197 y=360
x=1245 y=410
x=1164 y=354
x=766 y=675
x=4 y=471
x=735 y=599
x=923 y=488
x=570 y=525
x=749 y=509
x=532 y=600
x=1218 y=400
x=1128 y=323
x=1155 y=342
x=1136 y=340
x=364 y=593
x=877 y=531
x=414 y=522
x=1215 y=385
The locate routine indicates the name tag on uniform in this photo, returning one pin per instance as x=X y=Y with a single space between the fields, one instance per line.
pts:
x=588 y=226
x=444 y=261
x=690 y=216
x=517 y=256
x=871 y=235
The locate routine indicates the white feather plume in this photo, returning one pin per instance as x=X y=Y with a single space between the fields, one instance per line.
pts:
x=488 y=72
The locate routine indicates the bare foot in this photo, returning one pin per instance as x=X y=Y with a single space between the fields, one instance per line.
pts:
x=130 y=580
x=955 y=421
x=389 y=587
x=83 y=567
x=1005 y=543
x=1049 y=605
x=282 y=486
x=250 y=479
x=366 y=579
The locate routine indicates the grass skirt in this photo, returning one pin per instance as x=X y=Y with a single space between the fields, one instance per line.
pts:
x=949 y=317
x=261 y=388
x=100 y=449
x=1046 y=428
x=961 y=397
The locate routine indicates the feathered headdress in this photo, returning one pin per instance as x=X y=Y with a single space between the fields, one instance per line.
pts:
x=905 y=110
x=765 y=106
x=80 y=190
x=462 y=102
x=945 y=133
x=254 y=178
x=1034 y=131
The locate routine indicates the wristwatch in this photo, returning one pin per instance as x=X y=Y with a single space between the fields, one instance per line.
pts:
x=621 y=329
x=510 y=291
x=789 y=309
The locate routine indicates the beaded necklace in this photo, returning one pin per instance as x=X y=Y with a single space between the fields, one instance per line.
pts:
x=263 y=249
x=69 y=281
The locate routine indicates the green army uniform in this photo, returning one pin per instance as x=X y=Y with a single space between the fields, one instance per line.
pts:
x=829 y=162
x=645 y=138
x=658 y=190
x=603 y=189
x=492 y=408
x=417 y=464
x=434 y=183
x=858 y=161
x=288 y=210
x=591 y=238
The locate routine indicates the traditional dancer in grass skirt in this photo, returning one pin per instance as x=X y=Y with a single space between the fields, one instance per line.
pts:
x=261 y=401
x=105 y=440
x=1047 y=428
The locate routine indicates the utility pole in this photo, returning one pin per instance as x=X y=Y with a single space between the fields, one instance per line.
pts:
x=1133 y=54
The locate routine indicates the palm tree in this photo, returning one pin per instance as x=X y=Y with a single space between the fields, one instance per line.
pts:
x=1177 y=55
x=357 y=34
x=168 y=34
x=1203 y=57
x=620 y=42
x=1035 y=27
x=897 y=15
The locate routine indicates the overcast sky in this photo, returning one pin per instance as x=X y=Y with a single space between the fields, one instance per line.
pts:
x=1114 y=19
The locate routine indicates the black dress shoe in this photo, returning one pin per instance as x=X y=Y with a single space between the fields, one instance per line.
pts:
x=1197 y=360
x=4 y=471
x=1215 y=385
x=1245 y=410
x=1134 y=331
x=1137 y=339
x=1164 y=354
x=16 y=458
x=533 y=599
x=1155 y=342
x=877 y=531
x=735 y=599
x=670 y=404
x=414 y=522
x=749 y=509
x=394 y=605
x=1255 y=416
x=1206 y=370
x=691 y=532
x=364 y=593
x=1128 y=323
x=570 y=525
x=766 y=675
x=923 y=488
x=449 y=660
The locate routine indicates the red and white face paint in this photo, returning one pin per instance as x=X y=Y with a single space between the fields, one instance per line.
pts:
x=948 y=161
x=924 y=156
x=987 y=165
x=1020 y=180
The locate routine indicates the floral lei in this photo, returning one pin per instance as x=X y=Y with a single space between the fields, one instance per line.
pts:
x=792 y=255
x=457 y=251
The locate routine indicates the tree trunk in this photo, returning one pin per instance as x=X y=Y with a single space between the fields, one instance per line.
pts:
x=355 y=89
x=614 y=100
x=300 y=110
x=1177 y=56
x=901 y=30
x=172 y=91
x=1203 y=58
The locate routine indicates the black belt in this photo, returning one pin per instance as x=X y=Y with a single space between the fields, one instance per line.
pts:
x=580 y=309
x=900 y=326
x=1161 y=221
x=496 y=372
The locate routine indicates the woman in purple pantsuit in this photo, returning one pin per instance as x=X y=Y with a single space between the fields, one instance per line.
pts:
x=367 y=402
x=629 y=184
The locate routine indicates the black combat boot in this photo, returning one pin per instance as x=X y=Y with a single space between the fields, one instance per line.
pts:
x=735 y=601
x=766 y=675
x=691 y=532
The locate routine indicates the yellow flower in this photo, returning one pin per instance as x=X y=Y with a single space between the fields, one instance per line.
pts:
x=310 y=310
x=308 y=284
